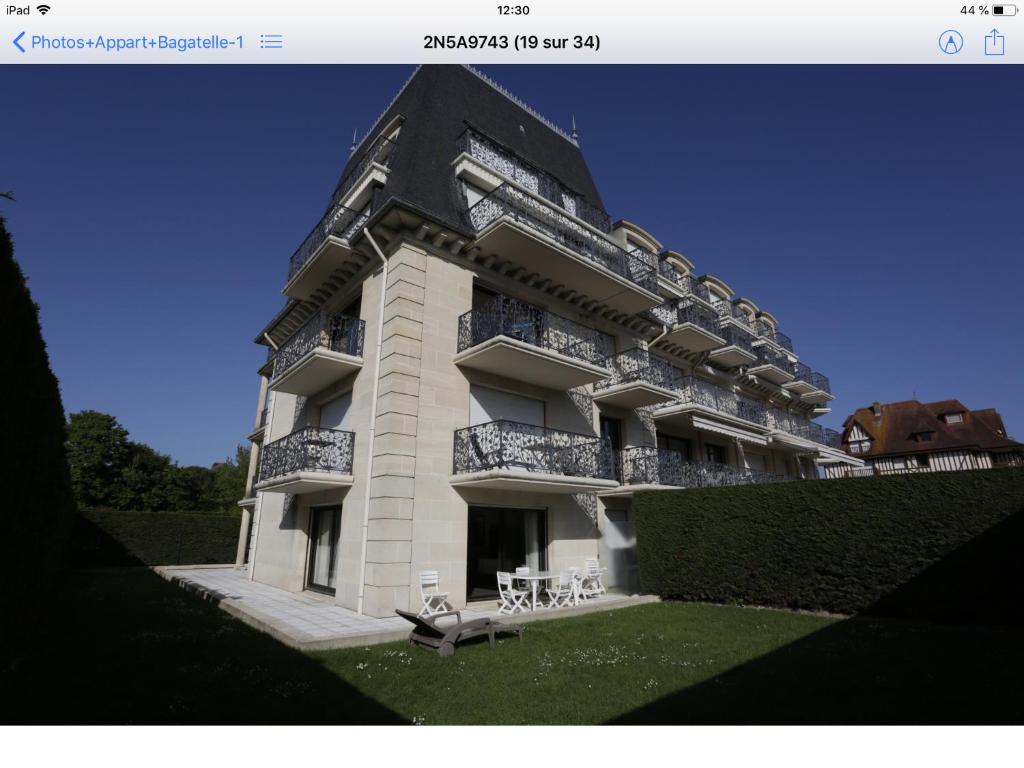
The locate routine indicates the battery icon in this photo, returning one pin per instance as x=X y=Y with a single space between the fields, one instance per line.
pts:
x=1004 y=10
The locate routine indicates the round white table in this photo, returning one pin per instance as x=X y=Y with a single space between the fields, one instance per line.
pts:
x=535 y=577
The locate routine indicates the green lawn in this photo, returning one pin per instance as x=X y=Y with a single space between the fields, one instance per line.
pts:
x=126 y=646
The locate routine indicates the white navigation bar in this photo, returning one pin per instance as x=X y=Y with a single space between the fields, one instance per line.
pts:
x=535 y=31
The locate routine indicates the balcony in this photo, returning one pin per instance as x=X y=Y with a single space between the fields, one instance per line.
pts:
x=256 y=436
x=308 y=460
x=707 y=406
x=788 y=425
x=325 y=349
x=729 y=311
x=524 y=342
x=777 y=337
x=538 y=237
x=356 y=186
x=649 y=467
x=813 y=387
x=638 y=379
x=510 y=456
x=822 y=389
x=692 y=326
x=510 y=165
x=771 y=366
x=324 y=250
x=738 y=347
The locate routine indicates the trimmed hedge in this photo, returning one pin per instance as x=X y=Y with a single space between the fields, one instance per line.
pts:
x=944 y=546
x=38 y=507
x=112 y=538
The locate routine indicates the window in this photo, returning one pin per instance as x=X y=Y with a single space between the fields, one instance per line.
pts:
x=953 y=418
x=924 y=437
x=860 y=446
x=922 y=460
x=715 y=454
x=677 y=444
x=611 y=430
x=899 y=462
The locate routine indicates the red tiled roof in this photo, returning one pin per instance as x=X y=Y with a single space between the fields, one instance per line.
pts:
x=893 y=432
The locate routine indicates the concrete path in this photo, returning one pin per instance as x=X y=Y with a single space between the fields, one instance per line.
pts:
x=308 y=621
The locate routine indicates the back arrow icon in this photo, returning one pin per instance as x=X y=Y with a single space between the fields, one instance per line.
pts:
x=17 y=44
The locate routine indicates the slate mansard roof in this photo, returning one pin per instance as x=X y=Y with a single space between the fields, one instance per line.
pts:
x=436 y=106
x=892 y=433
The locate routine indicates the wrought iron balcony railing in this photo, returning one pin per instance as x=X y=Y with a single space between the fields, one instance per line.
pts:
x=639 y=365
x=658 y=466
x=819 y=381
x=693 y=389
x=523 y=208
x=331 y=331
x=768 y=356
x=505 y=316
x=695 y=287
x=343 y=223
x=311 y=449
x=670 y=273
x=680 y=311
x=525 y=447
x=734 y=337
x=765 y=331
x=802 y=372
x=728 y=310
x=784 y=421
x=379 y=153
x=509 y=164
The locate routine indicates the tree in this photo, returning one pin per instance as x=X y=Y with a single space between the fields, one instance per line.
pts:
x=98 y=454
x=147 y=480
x=229 y=479
x=38 y=508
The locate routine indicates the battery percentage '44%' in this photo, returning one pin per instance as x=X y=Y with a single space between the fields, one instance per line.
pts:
x=984 y=10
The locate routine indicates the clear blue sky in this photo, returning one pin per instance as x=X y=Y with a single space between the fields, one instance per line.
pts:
x=875 y=211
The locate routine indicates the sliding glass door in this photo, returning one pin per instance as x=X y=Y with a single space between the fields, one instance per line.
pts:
x=324 y=530
x=502 y=539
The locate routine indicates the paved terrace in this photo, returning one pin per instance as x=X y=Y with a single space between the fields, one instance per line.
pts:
x=310 y=622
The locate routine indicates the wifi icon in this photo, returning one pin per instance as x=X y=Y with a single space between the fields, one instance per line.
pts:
x=43 y=9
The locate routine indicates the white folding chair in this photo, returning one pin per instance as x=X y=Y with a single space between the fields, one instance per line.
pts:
x=512 y=600
x=522 y=570
x=434 y=600
x=561 y=595
x=593 y=583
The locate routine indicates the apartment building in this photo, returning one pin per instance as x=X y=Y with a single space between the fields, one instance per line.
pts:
x=910 y=436
x=476 y=367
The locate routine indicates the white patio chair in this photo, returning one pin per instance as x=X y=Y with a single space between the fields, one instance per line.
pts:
x=434 y=600
x=512 y=600
x=593 y=579
x=562 y=593
x=522 y=570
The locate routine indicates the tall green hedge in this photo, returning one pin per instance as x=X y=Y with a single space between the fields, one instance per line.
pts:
x=945 y=546
x=37 y=509
x=114 y=538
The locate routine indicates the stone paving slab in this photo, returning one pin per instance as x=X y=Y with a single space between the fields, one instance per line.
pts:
x=308 y=621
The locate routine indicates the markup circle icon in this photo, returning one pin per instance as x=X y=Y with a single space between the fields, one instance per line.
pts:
x=951 y=41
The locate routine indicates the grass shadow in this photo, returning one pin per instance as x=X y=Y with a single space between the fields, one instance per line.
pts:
x=944 y=647
x=126 y=646
x=864 y=670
